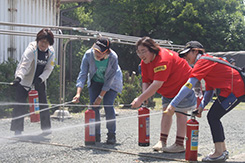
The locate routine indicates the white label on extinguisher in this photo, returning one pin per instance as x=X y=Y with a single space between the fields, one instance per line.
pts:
x=147 y=122
x=194 y=140
x=36 y=106
x=91 y=127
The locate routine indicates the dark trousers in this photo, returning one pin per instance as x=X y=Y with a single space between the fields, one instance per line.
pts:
x=21 y=95
x=215 y=113
x=109 y=98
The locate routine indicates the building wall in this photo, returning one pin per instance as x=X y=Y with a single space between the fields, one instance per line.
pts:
x=39 y=12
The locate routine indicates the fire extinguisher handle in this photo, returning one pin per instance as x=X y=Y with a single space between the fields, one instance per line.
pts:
x=195 y=112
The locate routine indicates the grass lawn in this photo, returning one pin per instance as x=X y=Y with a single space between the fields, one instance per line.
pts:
x=158 y=106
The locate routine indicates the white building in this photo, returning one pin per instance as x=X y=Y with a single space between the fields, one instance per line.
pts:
x=38 y=12
x=42 y=12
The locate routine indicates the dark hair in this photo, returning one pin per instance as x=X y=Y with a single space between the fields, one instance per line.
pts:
x=200 y=51
x=149 y=43
x=45 y=33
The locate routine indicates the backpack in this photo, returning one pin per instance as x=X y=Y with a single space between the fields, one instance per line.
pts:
x=239 y=69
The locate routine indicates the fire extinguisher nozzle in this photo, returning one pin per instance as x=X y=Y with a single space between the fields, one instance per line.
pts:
x=125 y=105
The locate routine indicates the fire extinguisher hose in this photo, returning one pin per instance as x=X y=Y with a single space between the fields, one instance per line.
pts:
x=95 y=148
x=11 y=84
x=191 y=115
x=182 y=113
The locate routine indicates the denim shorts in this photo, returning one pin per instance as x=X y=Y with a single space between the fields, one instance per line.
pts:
x=188 y=103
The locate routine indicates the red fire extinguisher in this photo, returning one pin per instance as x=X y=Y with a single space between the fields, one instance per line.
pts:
x=34 y=106
x=144 y=126
x=90 y=127
x=191 y=139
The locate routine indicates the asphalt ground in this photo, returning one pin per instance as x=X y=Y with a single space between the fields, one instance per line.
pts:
x=66 y=143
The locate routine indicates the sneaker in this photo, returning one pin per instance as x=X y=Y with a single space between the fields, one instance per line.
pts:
x=175 y=148
x=47 y=132
x=17 y=132
x=111 y=138
x=159 y=146
x=226 y=153
x=221 y=158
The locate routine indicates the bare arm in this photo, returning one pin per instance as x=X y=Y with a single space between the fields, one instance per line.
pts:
x=77 y=96
x=148 y=91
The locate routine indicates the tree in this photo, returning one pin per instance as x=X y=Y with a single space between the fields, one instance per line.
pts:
x=218 y=25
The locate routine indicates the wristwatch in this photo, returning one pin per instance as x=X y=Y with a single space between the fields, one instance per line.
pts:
x=101 y=97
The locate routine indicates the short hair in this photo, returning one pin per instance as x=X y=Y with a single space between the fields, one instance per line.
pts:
x=149 y=43
x=45 y=33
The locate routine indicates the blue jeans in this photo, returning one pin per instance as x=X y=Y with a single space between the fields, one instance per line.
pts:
x=109 y=98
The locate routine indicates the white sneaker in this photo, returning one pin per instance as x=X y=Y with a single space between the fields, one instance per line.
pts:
x=175 y=148
x=226 y=153
x=159 y=146
x=221 y=158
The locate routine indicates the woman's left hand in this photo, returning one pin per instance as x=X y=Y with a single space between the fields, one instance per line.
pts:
x=97 y=101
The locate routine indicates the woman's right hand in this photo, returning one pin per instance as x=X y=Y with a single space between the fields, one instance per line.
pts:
x=199 y=113
x=136 y=103
x=76 y=99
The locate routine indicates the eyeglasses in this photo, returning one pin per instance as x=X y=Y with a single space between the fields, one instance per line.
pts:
x=44 y=41
x=141 y=53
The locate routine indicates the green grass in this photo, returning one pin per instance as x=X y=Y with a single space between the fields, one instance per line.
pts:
x=158 y=106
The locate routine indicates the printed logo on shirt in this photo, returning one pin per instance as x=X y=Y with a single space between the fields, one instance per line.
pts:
x=188 y=85
x=160 y=68
x=41 y=62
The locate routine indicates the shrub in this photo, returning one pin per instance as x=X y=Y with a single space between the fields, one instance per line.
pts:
x=7 y=93
x=53 y=91
x=131 y=88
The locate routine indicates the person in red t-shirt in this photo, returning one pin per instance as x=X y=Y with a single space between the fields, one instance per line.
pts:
x=216 y=75
x=164 y=72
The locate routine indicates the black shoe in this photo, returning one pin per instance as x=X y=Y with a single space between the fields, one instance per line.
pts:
x=111 y=138
x=97 y=138
x=46 y=132
x=17 y=132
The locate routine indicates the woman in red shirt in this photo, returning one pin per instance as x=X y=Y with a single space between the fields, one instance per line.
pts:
x=164 y=72
x=216 y=75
